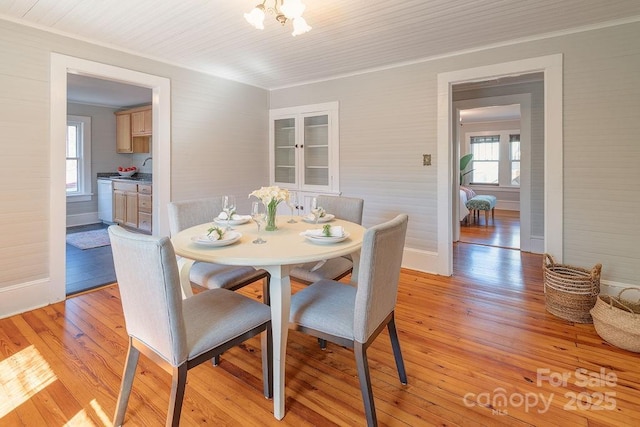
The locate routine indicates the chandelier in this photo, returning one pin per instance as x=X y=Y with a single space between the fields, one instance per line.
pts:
x=284 y=11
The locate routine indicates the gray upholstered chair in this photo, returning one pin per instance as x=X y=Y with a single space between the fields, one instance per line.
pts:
x=175 y=333
x=353 y=317
x=348 y=209
x=188 y=213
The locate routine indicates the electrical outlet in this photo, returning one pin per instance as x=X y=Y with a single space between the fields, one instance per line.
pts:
x=426 y=160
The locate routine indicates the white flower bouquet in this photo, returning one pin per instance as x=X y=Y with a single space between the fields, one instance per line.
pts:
x=271 y=197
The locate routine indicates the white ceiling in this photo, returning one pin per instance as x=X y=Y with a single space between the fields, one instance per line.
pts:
x=91 y=91
x=490 y=114
x=348 y=37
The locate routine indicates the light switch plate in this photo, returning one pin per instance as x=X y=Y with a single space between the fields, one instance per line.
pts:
x=426 y=160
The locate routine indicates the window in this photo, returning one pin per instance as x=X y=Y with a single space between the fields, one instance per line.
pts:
x=78 y=170
x=486 y=159
x=514 y=157
x=496 y=157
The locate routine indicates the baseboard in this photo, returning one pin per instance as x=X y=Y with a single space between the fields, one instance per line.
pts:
x=419 y=260
x=23 y=297
x=536 y=244
x=82 y=219
x=508 y=205
x=608 y=287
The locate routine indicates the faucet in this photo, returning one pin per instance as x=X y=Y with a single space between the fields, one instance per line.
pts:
x=145 y=161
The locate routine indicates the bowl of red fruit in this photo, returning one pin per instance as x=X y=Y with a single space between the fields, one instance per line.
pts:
x=127 y=172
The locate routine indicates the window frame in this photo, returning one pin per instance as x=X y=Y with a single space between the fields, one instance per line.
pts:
x=504 y=162
x=84 y=192
x=474 y=160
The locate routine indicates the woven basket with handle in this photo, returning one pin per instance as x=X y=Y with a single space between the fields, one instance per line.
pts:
x=570 y=292
x=617 y=320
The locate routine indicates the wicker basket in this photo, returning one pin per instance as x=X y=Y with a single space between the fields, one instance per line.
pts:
x=617 y=321
x=570 y=292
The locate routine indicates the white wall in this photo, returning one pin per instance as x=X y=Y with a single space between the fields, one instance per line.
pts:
x=388 y=119
x=218 y=144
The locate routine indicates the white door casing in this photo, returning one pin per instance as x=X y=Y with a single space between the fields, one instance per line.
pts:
x=161 y=148
x=551 y=66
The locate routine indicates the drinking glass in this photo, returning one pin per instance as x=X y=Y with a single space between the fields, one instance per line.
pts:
x=315 y=209
x=293 y=204
x=258 y=214
x=229 y=207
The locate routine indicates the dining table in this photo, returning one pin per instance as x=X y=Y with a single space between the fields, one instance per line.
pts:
x=285 y=248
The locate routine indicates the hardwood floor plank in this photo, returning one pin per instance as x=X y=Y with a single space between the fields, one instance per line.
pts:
x=465 y=339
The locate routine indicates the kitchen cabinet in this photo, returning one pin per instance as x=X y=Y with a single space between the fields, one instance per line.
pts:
x=132 y=205
x=144 y=207
x=141 y=122
x=133 y=130
x=304 y=149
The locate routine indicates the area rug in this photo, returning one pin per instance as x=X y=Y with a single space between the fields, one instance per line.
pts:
x=89 y=239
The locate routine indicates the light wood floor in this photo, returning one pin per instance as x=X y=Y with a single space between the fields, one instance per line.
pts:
x=502 y=231
x=467 y=340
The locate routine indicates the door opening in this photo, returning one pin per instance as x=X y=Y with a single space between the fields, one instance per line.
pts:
x=550 y=201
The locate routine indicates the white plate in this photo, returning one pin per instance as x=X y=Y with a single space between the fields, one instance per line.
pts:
x=309 y=218
x=326 y=240
x=242 y=220
x=228 y=238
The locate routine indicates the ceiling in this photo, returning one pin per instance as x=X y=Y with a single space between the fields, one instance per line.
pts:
x=348 y=37
x=105 y=93
x=490 y=114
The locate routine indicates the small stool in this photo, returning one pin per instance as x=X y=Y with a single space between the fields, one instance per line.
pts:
x=482 y=202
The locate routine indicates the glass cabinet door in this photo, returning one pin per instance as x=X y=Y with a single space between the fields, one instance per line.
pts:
x=304 y=148
x=284 y=136
x=316 y=150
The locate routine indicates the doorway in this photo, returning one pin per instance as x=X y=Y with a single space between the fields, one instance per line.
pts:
x=89 y=262
x=503 y=123
x=551 y=67
x=160 y=86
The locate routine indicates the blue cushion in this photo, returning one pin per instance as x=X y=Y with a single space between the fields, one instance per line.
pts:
x=482 y=202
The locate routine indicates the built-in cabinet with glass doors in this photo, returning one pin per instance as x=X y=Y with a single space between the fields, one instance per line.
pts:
x=304 y=151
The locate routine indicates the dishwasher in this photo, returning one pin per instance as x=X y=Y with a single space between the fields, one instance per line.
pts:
x=105 y=200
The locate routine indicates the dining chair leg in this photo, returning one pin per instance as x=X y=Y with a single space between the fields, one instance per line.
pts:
x=322 y=343
x=266 y=339
x=362 y=366
x=397 y=354
x=178 y=384
x=127 y=382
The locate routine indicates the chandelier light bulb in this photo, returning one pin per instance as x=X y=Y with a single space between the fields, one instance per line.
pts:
x=256 y=17
x=292 y=8
x=300 y=26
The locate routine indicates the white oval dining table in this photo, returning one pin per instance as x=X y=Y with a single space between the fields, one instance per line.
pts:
x=285 y=249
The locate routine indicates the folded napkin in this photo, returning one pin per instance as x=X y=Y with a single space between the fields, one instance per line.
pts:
x=235 y=216
x=213 y=233
x=334 y=230
x=311 y=218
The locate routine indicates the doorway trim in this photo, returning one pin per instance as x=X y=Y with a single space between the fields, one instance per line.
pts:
x=161 y=149
x=551 y=66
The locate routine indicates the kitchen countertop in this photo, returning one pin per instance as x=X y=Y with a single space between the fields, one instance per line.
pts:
x=141 y=178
